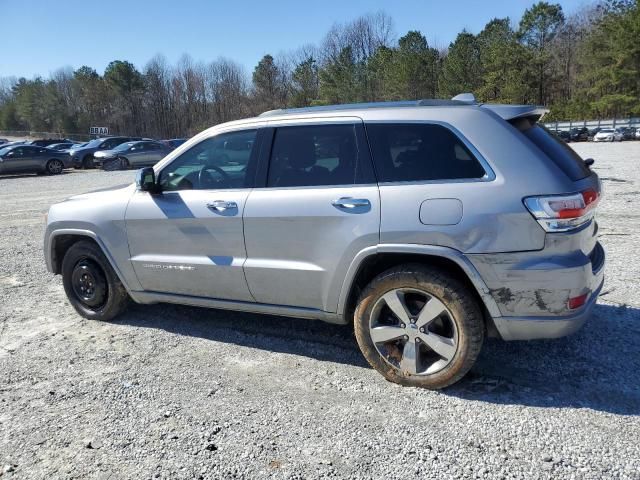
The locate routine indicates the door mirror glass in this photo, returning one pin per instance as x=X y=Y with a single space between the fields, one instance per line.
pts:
x=146 y=180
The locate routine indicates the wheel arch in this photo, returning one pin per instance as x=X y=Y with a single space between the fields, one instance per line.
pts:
x=374 y=260
x=60 y=241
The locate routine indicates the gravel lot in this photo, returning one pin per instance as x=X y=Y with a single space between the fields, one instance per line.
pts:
x=178 y=392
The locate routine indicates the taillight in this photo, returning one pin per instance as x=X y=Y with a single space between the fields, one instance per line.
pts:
x=559 y=213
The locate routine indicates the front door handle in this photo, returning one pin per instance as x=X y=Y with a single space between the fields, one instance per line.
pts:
x=350 y=203
x=221 y=205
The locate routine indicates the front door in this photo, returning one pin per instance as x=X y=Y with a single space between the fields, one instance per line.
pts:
x=188 y=239
x=319 y=208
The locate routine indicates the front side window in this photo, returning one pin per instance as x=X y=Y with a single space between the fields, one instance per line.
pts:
x=221 y=162
x=420 y=152
x=317 y=155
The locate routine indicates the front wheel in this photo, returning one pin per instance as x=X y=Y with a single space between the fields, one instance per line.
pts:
x=419 y=326
x=91 y=285
x=54 y=166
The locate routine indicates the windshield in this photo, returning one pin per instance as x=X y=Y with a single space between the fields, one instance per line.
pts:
x=95 y=143
x=606 y=130
x=5 y=150
x=123 y=146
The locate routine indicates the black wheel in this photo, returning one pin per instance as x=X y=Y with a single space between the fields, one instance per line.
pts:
x=54 y=166
x=87 y=162
x=91 y=285
x=419 y=326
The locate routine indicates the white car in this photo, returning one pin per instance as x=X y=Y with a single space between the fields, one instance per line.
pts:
x=608 y=135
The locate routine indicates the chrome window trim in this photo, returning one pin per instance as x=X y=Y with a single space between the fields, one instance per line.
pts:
x=489 y=175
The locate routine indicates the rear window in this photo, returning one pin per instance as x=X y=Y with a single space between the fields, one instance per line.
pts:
x=413 y=152
x=555 y=148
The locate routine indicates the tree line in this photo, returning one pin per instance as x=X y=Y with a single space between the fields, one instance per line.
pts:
x=583 y=65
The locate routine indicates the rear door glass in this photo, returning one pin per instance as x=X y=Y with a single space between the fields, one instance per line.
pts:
x=555 y=148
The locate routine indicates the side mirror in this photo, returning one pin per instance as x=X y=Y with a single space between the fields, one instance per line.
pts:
x=146 y=180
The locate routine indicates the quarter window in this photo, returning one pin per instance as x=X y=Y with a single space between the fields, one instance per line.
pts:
x=221 y=162
x=420 y=152
x=318 y=155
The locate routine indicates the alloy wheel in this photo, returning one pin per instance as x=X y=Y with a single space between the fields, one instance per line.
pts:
x=413 y=331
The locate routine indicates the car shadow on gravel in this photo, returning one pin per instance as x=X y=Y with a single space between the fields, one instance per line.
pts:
x=309 y=338
x=597 y=368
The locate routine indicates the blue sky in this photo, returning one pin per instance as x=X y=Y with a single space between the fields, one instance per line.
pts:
x=39 y=36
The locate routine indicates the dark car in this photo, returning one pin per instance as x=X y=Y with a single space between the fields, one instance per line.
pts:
x=82 y=157
x=579 y=134
x=3 y=140
x=45 y=142
x=31 y=158
x=564 y=135
x=629 y=133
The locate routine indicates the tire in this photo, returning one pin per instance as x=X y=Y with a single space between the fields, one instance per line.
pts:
x=87 y=162
x=91 y=285
x=457 y=332
x=110 y=165
x=54 y=166
x=124 y=163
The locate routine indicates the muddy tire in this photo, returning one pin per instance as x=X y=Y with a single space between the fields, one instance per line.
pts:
x=419 y=326
x=91 y=285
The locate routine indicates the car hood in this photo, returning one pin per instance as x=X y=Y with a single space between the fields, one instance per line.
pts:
x=104 y=193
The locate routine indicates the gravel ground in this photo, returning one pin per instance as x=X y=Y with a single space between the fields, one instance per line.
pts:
x=179 y=392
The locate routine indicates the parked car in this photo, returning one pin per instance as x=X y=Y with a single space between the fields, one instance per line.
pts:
x=403 y=229
x=638 y=133
x=3 y=141
x=579 y=134
x=593 y=132
x=564 y=135
x=608 y=135
x=174 y=142
x=628 y=133
x=82 y=157
x=30 y=158
x=131 y=154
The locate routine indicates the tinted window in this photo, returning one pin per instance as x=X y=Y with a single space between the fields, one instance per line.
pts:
x=317 y=155
x=420 y=151
x=555 y=148
x=220 y=162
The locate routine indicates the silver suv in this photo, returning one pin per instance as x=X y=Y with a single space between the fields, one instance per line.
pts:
x=427 y=224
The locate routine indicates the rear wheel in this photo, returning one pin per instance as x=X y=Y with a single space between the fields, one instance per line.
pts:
x=54 y=166
x=91 y=285
x=419 y=327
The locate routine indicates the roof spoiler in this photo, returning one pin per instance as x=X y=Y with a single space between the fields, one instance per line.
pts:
x=513 y=112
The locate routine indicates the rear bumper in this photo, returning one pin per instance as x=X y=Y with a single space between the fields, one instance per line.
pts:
x=532 y=290
x=532 y=328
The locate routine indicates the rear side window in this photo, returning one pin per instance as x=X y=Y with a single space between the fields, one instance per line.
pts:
x=318 y=155
x=555 y=148
x=420 y=151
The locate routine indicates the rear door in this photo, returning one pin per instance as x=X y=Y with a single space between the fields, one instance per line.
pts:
x=317 y=208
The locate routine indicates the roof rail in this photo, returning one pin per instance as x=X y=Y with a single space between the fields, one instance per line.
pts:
x=359 y=106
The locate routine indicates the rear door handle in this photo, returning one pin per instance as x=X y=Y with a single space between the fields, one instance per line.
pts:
x=350 y=203
x=221 y=205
